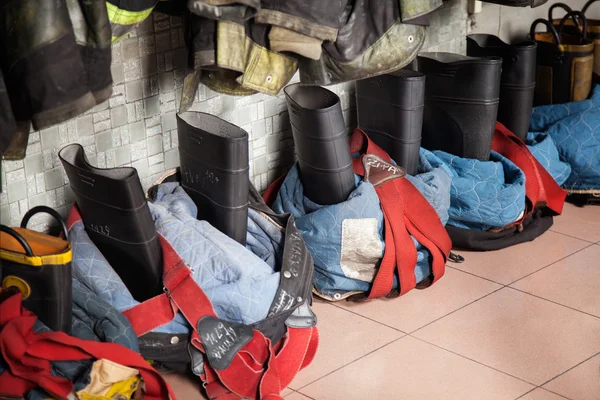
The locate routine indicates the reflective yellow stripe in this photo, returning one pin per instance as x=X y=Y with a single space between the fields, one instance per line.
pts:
x=119 y=16
x=37 y=261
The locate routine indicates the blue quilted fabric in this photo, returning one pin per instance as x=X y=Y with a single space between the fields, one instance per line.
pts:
x=322 y=226
x=92 y=270
x=484 y=194
x=544 y=150
x=575 y=128
x=239 y=284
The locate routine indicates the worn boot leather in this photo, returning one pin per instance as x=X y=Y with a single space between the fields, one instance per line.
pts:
x=390 y=111
x=214 y=170
x=461 y=103
x=321 y=142
x=518 y=3
x=517 y=84
x=39 y=265
x=564 y=63
x=43 y=71
x=117 y=219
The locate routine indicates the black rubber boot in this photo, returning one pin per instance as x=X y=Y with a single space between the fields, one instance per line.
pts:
x=117 y=219
x=461 y=103
x=39 y=266
x=517 y=84
x=321 y=142
x=214 y=170
x=390 y=111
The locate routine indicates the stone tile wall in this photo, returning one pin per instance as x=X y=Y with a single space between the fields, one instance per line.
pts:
x=137 y=126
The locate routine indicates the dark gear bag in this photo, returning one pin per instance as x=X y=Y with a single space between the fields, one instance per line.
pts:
x=39 y=265
x=564 y=63
x=574 y=27
x=233 y=360
x=117 y=219
x=544 y=199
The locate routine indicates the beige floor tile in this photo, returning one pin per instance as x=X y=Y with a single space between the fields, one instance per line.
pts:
x=517 y=333
x=286 y=392
x=296 y=396
x=581 y=222
x=412 y=369
x=573 y=281
x=580 y=383
x=183 y=386
x=343 y=338
x=541 y=394
x=508 y=265
x=420 y=307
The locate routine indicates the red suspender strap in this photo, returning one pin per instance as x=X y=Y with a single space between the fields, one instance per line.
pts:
x=406 y=212
x=253 y=364
x=271 y=193
x=541 y=189
x=28 y=355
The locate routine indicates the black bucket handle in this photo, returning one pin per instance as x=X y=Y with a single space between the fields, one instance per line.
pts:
x=19 y=238
x=573 y=14
x=47 y=210
x=550 y=27
x=558 y=5
x=587 y=5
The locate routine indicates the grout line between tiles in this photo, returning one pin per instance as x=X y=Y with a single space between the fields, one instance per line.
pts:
x=305 y=395
x=475 y=361
x=539 y=387
x=552 y=263
x=564 y=372
x=477 y=276
x=351 y=362
x=452 y=312
x=555 y=302
x=525 y=394
x=571 y=236
x=370 y=319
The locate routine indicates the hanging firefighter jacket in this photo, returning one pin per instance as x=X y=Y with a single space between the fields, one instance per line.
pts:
x=243 y=47
x=575 y=129
x=55 y=61
x=125 y=15
x=351 y=239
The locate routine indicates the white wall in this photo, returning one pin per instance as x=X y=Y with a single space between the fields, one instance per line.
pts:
x=513 y=23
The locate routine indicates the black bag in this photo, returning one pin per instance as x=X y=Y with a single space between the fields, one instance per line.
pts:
x=532 y=227
x=564 y=63
x=39 y=265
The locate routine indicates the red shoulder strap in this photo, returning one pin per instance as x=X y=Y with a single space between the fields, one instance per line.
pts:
x=257 y=370
x=541 y=189
x=29 y=354
x=406 y=212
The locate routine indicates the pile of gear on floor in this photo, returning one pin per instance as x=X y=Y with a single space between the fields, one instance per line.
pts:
x=204 y=276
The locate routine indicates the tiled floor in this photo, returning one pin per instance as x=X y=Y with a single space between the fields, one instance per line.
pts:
x=521 y=323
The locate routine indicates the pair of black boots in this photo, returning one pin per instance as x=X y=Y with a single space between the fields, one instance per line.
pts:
x=453 y=100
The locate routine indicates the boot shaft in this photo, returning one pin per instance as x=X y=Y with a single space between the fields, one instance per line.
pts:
x=117 y=219
x=390 y=111
x=214 y=170
x=461 y=103
x=321 y=142
x=517 y=82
